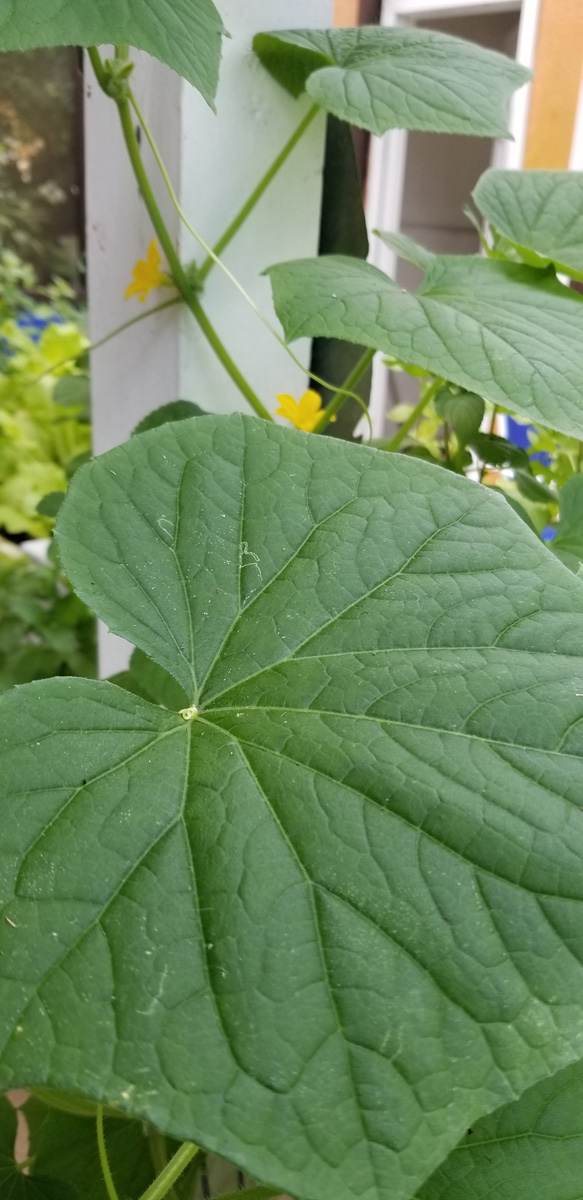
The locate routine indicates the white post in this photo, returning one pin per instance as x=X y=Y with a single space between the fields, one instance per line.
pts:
x=214 y=163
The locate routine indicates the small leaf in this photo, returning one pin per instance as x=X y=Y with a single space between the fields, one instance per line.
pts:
x=515 y=504
x=176 y=410
x=406 y=248
x=496 y=451
x=569 y=536
x=146 y=679
x=510 y=333
x=464 y=411
x=77 y=462
x=379 y=78
x=72 y=391
x=533 y=490
x=540 y=212
x=334 y=917
x=184 y=34
x=50 y=504
x=530 y=1149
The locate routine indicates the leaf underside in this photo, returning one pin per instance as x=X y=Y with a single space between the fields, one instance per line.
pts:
x=379 y=78
x=541 y=212
x=184 y=34
x=332 y=921
x=511 y=333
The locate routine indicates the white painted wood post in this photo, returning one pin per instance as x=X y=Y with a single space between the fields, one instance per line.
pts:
x=214 y=163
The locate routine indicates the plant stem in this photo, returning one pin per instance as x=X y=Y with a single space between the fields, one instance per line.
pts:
x=133 y=149
x=426 y=397
x=336 y=404
x=178 y=273
x=446 y=441
x=106 y=338
x=157 y=1143
x=257 y=193
x=96 y=63
x=219 y=262
x=484 y=467
x=224 y=356
x=103 y=1159
x=165 y=1181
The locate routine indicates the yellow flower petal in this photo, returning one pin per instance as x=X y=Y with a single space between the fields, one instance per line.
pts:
x=147 y=275
x=302 y=413
x=287 y=407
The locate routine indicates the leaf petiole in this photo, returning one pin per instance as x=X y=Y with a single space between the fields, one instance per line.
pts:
x=219 y=263
x=103 y=1159
x=258 y=191
x=426 y=397
x=167 y=1178
x=345 y=392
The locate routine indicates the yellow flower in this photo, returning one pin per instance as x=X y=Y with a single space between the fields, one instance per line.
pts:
x=303 y=413
x=147 y=275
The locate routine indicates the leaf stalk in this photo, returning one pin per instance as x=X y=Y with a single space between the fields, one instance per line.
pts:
x=257 y=193
x=166 y=1180
x=426 y=398
x=103 y=1159
x=344 y=392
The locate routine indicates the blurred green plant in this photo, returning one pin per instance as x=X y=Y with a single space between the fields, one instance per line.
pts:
x=44 y=426
x=44 y=435
x=45 y=629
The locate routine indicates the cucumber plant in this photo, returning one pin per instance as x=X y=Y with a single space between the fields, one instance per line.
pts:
x=302 y=888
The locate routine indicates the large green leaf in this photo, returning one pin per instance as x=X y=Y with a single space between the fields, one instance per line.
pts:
x=185 y=34
x=380 y=78
x=541 y=212
x=529 y=1150
x=327 y=924
x=510 y=333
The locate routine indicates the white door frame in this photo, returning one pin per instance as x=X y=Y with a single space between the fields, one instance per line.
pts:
x=386 y=176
